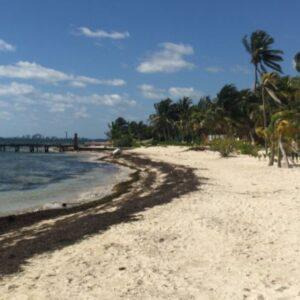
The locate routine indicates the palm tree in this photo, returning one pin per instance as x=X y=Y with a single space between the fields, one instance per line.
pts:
x=161 y=120
x=246 y=114
x=226 y=110
x=183 y=107
x=269 y=87
x=297 y=61
x=262 y=56
x=284 y=125
x=117 y=128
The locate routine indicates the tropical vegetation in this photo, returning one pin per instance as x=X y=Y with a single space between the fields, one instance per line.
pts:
x=266 y=116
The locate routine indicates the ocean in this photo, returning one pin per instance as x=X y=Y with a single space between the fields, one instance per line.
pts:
x=30 y=181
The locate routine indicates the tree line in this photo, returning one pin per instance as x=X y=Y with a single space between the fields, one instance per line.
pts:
x=267 y=115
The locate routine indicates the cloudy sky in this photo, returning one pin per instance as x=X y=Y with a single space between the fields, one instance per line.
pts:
x=71 y=66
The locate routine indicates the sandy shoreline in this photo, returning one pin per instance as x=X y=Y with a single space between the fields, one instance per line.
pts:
x=193 y=227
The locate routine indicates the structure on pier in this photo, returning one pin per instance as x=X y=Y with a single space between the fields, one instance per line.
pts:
x=34 y=147
x=40 y=147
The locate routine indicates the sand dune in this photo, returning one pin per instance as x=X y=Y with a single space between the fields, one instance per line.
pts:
x=235 y=235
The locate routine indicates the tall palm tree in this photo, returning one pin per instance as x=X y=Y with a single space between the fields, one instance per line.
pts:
x=262 y=56
x=297 y=61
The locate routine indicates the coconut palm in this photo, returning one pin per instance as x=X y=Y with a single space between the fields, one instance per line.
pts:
x=297 y=61
x=161 y=120
x=258 y=45
x=183 y=109
x=284 y=126
x=247 y=114
x=268 y=88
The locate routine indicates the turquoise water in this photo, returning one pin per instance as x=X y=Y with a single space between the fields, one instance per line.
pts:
x=31 y=181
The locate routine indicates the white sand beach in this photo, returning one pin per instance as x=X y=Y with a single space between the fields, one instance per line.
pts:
x=236 y=237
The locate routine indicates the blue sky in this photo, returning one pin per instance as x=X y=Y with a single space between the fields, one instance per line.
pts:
x=74 y=66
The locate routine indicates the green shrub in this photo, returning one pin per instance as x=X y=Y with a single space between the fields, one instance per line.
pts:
x=154 y=142
x=224 y=146
x=124 y=141
x=171 y=143
x=246 y=148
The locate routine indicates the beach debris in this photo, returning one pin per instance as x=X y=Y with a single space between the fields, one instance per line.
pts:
x=56 y=205
x=117 y=152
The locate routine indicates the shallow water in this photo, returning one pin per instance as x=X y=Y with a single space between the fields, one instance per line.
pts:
x=31 y=181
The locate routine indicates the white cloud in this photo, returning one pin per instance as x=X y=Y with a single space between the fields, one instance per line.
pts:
x=29 y=70
x=82 y=81
x=3 y=104
x=150 y=92
x=240 y=69
x=4 y=46
x=214 y=69
x=59 y=103
x=19 y=96
x=58 y=107
x=16 y=89
x=5 y=115
x=168 y=59
x=101 y=34
x=179 y=92
x=81 y=113
x=71 y=100
x=19 y=107
x=112 y=100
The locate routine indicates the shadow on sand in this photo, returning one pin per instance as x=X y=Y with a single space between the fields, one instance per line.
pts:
x=21 y=243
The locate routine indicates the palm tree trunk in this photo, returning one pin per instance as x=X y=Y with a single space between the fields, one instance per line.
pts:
x=283 y=151
x=165 y=134
x=265 y=119
x=272 y=154
x=251 y=137
x=168 y=132
x=255 y=78
x=279 y=157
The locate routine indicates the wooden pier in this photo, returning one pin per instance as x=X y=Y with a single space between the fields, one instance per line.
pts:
x=34 y=147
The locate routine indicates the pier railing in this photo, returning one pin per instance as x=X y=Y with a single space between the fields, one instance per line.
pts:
x=35 y=147
x=39 y=147
x=44 y=146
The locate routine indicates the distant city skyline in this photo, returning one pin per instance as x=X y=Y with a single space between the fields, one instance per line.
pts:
x=77 y=65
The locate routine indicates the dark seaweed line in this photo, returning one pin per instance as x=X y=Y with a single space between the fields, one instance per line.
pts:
x=14 y=222
x=73 y=228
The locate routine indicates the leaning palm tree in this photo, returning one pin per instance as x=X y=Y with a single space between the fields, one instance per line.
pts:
x=258 y=45
x=285 y=125
x=268 y=87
